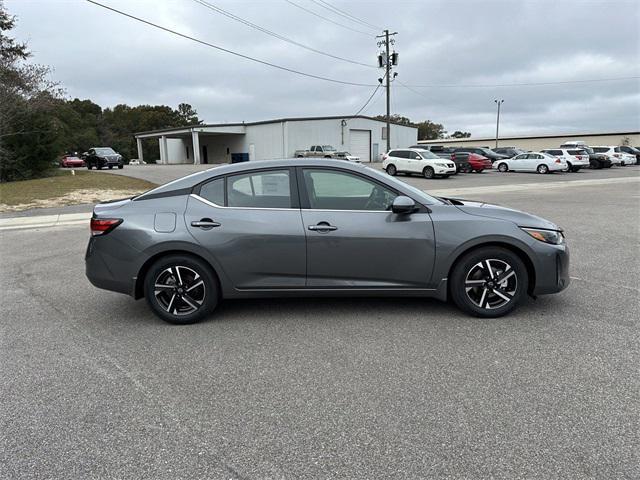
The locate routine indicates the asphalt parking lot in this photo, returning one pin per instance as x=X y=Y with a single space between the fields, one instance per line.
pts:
x=95 y=386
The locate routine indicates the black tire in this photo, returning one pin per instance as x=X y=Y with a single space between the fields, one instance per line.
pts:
x=569 y=167
x=89 y=166
x=120 y=167
x=467 y=269
x=392 y=170
x=503 y=167
x=445 y=176
x=169 y=310
x=576 y=169
x=110 y=167
x=480 y=170
x=428 y=172
x=542 y=168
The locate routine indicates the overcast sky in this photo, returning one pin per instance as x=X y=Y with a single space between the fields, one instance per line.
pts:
x=110 y=59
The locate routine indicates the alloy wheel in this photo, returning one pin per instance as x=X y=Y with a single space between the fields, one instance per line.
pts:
x=491 y=284
x=179 y=290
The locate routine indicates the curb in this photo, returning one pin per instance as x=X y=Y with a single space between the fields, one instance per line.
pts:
x=44 y=221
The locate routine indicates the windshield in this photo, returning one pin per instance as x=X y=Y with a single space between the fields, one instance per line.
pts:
x=105 y=151
x=486 y=152
x=600 y=149
x=328 y=148
x=428 y=155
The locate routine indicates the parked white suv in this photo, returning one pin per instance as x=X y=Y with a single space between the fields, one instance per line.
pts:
x=417 y=160
x=616 y=156
x=575 y=158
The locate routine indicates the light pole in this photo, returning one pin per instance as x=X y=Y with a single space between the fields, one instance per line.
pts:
x=498 y=102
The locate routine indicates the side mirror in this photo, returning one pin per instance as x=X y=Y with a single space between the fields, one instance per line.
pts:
x=403 y=205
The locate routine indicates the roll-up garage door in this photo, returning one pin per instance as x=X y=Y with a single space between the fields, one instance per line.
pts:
x=360 y=144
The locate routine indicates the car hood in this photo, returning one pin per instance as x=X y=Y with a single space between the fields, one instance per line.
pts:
x=522 y=219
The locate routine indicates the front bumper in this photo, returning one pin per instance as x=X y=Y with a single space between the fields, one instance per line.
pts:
x=552 y=270
x=444 y=170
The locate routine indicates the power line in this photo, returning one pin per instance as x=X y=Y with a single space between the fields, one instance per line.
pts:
x=246 y=57
x=327 y=19
x=369 y=99
x=230 y=15
x=342 y=13
x=531 y=84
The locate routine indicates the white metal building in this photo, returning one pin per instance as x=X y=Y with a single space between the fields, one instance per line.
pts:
x=540 y=142
x=360 y=135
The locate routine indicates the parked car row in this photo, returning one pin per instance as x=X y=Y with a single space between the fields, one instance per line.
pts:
x=437 y=161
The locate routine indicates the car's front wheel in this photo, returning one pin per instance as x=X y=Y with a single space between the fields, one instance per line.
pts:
x=181 y=289
x=489 y=282
x=428 y=172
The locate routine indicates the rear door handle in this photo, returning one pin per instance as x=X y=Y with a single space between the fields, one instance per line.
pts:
x=322 y=227
x=205 y=223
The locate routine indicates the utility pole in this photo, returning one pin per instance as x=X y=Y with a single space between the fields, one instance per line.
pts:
x=387 y=61
x=498 y=102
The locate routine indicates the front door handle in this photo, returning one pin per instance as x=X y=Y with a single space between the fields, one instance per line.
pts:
x=205 y=223
x=322 y=227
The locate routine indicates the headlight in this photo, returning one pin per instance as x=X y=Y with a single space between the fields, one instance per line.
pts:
x=442 y=165
x=553 y=237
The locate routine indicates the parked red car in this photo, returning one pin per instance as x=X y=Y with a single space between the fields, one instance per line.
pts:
x=478 y=162
x=71 y=161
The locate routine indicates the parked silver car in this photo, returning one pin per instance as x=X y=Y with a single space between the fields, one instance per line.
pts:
x=305 y=227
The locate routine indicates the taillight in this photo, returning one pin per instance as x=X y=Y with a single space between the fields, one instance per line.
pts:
x=102 y=226
x=558 y=160
x=617 y=155
x=385 y=156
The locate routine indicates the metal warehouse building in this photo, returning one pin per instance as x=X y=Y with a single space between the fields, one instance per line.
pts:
x=360 y=135
x=540 y=142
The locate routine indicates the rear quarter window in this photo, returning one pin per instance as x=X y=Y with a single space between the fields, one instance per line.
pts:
x=213 y=191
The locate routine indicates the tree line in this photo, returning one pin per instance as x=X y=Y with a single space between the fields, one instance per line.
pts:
x=427 y=130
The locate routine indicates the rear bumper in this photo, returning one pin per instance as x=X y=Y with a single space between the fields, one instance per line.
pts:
x=109 y=272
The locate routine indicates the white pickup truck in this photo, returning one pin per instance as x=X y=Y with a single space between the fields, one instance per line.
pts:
x=325 y=151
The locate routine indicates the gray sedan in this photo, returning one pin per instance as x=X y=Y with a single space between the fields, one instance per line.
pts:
x=323 y=227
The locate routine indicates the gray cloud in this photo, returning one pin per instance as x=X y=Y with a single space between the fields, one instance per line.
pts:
x=111 y=59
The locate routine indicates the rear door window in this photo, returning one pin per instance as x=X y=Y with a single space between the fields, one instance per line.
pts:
x=266 y=189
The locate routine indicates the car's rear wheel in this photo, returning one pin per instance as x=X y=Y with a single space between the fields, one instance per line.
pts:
x=503 y=168
x=88 y=166
x=391 y=170
x=489 y=282
x=542 y=168
x=480 y=170
x=120 y=166
x=181 y=289
x=110 y=167
x=428 y=172
x=569 y=167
